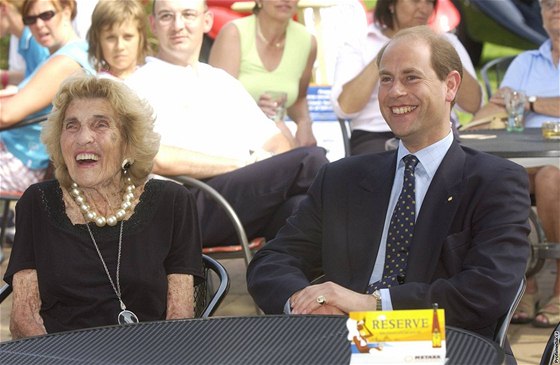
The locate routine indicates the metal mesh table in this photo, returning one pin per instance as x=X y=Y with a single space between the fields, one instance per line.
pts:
x=317 y=340
x=526 y=144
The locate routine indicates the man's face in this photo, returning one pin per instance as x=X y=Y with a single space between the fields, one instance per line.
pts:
x=179 y=26
x=550 y=12
x=413 y=101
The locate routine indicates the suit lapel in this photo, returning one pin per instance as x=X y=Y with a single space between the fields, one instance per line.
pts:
x=436 y=215
x=368 y=206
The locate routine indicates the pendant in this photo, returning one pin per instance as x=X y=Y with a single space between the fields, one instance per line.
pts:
x=127 y=317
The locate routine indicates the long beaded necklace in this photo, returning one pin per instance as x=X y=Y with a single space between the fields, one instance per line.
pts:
x=125 y=316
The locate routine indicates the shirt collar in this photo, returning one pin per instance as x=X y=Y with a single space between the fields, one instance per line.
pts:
x=430 y=157
x=546 y=50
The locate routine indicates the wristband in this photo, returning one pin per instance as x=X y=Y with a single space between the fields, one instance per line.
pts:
x=532 y=100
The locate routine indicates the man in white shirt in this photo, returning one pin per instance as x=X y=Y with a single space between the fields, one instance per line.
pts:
x=212 y=129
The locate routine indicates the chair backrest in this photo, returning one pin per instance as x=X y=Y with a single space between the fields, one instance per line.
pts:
x=551 y=353
x=245 y=248
x=500 y=334
x=493 y=72
x=206 y=298
x=5 y=291
x=345 y=135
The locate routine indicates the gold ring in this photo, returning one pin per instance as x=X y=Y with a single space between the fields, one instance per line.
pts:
x=321 y=299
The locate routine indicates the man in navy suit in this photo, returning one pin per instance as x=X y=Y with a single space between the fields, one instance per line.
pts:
x=469 y=248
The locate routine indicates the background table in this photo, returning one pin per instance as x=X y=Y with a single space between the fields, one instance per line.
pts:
x=527 y=148
x=221 y=340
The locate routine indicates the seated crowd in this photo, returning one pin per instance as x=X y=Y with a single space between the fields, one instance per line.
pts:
x=114 y=140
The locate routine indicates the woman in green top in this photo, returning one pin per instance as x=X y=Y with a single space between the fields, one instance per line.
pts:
x=252 y=49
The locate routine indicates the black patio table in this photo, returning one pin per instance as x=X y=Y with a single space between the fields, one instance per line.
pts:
x=528 y=144
x=320 y=340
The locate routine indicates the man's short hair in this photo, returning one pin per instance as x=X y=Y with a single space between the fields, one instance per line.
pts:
x=443 y=56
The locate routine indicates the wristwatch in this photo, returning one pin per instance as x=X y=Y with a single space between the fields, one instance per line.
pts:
x=377 y=295
x=532 y=100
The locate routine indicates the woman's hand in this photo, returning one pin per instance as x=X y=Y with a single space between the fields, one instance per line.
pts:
x=180 y=296
x=25 y=319
x=268 y=105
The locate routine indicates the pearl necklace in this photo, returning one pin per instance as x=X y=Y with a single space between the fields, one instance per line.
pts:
x=100 y=221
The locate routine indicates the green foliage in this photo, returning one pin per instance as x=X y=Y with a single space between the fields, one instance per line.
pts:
x=4 y=47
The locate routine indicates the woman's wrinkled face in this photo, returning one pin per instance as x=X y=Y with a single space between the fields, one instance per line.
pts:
x=91 y=142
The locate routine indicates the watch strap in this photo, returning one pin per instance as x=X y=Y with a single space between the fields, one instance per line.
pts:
x=532 y=101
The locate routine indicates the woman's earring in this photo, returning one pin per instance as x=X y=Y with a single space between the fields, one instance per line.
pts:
x=126 y=165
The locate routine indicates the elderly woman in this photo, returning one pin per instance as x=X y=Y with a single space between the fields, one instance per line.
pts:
x=23 y=160
x=117 y=38
x=102 y=244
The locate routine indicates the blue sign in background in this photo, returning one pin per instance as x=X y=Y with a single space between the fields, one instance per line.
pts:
x=319 y=101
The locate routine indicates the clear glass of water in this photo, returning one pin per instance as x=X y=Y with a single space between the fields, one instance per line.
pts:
x=279 y=98
x=515 y=106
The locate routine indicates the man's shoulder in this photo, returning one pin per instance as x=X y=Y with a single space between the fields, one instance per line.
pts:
x=362 y=164
x=483 y=162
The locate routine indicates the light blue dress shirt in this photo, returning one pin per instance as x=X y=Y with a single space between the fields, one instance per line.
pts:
x=534 y=73
x=430 y=158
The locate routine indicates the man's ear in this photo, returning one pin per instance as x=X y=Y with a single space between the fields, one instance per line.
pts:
x=208 y=21
x=152 y=20
x=453 y=82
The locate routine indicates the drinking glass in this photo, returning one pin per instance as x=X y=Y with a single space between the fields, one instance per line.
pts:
x=280 y=98
x=515 y=106
x=551 y=130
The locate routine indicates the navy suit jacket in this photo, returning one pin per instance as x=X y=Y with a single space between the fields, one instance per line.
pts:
x=470 y=245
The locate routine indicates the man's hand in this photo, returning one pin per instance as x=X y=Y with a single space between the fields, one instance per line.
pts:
x=498 y=97
x=338 y=300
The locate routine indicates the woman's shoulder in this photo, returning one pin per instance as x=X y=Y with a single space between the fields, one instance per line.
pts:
x=243 y=22
x=76 y=51
x=45 y=191
x=299 y=32
x=47 y=185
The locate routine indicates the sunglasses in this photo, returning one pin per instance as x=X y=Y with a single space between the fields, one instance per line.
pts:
x=32 y=19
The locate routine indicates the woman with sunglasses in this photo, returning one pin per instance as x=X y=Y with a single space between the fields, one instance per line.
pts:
x=23 y=159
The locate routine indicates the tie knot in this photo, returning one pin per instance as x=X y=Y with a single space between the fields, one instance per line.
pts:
x=410 y=162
